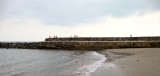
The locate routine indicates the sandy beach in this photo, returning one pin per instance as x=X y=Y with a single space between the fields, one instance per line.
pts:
x=130 y=62
x=111 y=62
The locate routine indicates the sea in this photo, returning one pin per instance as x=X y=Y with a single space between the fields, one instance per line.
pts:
x=36 y=62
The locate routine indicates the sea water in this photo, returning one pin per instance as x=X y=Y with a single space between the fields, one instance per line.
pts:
x=28 y=62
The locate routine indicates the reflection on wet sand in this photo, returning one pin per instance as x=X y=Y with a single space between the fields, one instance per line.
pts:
x=114 y=55
x=109 y=68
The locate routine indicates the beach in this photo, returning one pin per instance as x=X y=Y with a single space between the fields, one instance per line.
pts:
x=110 y=62
x=130 y=62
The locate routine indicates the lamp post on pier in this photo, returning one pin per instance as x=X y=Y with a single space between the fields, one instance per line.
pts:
x=130 y=40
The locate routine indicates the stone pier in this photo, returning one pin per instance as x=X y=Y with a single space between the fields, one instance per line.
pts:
x=87 y=43
x=98 y=45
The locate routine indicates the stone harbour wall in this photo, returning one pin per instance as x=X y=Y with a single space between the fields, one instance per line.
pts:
x=98 y=45
x=156 y=38
x=87 y=43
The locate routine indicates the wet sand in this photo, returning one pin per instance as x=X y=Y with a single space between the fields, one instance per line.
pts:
x=130 y=62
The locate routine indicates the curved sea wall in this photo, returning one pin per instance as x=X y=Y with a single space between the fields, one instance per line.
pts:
x=87 y=43
x=156 y=38
x=98 y=45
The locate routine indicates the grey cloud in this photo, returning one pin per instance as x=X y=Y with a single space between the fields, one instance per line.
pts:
x=69 y=12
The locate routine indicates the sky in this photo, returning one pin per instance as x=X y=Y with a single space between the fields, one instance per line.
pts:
x=35 y=20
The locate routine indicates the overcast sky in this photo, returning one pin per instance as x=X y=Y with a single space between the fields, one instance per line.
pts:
x=34 y=20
